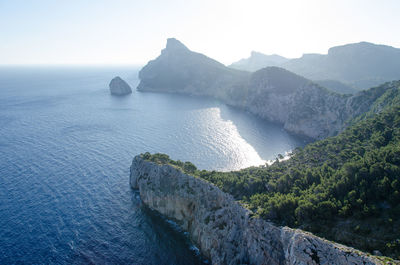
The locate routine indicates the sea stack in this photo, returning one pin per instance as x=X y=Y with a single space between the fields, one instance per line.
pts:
x=119 y=87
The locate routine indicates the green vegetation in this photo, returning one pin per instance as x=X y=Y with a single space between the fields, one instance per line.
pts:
x=345 y=188
x=162 y=159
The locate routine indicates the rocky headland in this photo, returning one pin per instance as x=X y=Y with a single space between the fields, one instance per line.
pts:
x=225 y=231
x=273 y=93
x=119 y=87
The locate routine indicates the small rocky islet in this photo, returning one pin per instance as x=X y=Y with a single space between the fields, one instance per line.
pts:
x=119 y=87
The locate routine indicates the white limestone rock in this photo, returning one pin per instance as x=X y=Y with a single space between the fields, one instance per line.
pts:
x=223 y=230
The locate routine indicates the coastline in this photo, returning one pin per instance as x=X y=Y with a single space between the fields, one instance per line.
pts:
x=223 y=230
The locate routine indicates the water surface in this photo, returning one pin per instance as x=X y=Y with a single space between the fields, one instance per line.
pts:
x=66 y=146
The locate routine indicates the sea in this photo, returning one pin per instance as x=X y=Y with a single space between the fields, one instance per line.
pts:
x=66 y=146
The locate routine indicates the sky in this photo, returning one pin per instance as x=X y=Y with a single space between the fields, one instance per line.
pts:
x=134 y=32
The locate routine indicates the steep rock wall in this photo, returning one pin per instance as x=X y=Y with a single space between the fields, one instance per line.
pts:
x=224 y=231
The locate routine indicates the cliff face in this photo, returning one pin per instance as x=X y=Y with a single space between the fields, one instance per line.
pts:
x=273 y=93
x=223 y=230
x=302 y=106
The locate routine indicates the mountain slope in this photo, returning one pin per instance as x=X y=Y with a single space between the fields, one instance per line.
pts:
x=180 y=70
x=336 y=86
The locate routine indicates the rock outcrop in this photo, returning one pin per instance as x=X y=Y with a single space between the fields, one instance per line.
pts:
x=273 y=93
x=119 y=87
x=226 y=232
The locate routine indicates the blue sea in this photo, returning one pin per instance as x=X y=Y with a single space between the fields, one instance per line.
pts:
x=66 y=146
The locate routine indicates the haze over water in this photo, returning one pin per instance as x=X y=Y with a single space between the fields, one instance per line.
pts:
x=66 y=146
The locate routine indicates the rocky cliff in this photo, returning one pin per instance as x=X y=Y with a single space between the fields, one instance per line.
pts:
x=273 y=93
x=226 y=232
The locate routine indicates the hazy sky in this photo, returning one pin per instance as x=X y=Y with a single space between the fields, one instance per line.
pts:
x=133 y=32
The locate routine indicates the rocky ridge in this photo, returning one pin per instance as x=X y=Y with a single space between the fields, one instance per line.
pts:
x=257 y=61
x=352 y=66
x=362 y=64
x=226 y=232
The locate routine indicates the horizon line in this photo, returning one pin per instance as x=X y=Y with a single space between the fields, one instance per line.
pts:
x=72 y=64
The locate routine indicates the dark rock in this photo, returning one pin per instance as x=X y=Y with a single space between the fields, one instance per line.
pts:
x=119 y=87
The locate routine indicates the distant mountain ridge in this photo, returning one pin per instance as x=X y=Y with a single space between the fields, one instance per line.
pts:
x=300 y=105
x=358 y=65
x=258 y=60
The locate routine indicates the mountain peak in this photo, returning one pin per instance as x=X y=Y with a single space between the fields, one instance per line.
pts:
x=254 y=53
x=361 y=47
x=175 y=45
